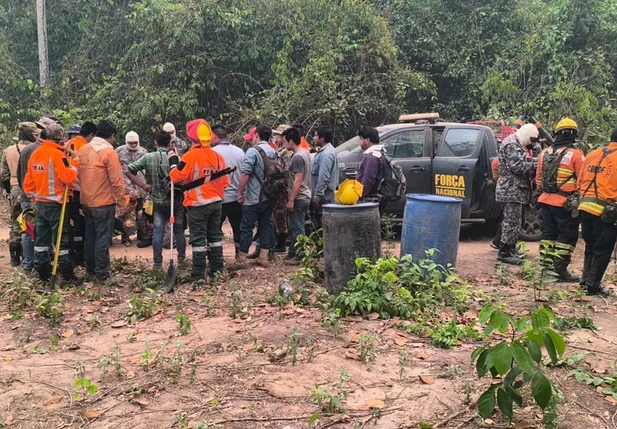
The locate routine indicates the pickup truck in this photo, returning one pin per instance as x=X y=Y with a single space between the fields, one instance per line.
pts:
x=449 y=159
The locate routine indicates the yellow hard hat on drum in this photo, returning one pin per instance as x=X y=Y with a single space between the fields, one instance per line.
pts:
x=348 y=192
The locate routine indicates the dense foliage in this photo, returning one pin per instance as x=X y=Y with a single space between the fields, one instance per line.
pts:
x=347 y=63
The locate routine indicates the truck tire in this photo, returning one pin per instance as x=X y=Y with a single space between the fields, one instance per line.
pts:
x=531 y=227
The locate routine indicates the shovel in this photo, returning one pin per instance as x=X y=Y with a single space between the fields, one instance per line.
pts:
x=54 y=268
x=170 y=279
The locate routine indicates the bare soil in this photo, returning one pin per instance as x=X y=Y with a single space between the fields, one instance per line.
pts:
x=242 y=375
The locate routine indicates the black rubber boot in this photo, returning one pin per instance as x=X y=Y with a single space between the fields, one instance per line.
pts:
x=68 y=276
x=507 y=255
x=44 y=272
x=280 y=243
x=561 y=268
x=15 y=251
x=199 y=266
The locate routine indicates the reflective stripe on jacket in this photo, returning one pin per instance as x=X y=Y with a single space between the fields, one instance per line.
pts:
x=568 y=173
x=199 y=162
x=48 y=173
x=593 y=198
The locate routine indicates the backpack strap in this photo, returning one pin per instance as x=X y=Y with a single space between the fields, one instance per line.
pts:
x=605 y=153
x=561 y=156
x=263 y=158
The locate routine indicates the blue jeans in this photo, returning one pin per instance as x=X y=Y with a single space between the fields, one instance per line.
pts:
x=99 y=232
x=161 y=217
x=296 y=219
x=27 y=245
x=262 y=215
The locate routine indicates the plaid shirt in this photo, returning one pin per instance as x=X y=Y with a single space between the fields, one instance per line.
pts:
x=149 y=164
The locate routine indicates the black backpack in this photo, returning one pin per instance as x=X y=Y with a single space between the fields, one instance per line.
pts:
x=394 y=184
x=276 y=183
x=550 y=169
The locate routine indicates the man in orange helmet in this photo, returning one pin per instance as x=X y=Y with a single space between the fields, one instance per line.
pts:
x=49 y=172
x=204 y=202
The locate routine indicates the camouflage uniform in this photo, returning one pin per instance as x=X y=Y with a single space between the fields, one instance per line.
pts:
x=279 y=214
x=126 y=158
x=513 y=187
x=180 y=145
x=8 y=174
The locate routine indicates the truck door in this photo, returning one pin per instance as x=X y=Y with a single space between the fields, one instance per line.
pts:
x=454 y=165
x=409 y=148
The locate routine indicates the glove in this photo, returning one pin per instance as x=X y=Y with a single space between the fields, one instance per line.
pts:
x=174 y=159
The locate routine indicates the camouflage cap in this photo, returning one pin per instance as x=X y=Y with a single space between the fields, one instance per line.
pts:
x=54 y=132
x=26 y=131
x=280 y=129
x=44 y=122
x=28 y=127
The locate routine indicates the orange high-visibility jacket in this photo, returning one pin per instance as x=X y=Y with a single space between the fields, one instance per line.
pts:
x=568 y=173
x=100 y=175
x=76 y=143
x=594 y=198
x=199 y=162
x=48 y=173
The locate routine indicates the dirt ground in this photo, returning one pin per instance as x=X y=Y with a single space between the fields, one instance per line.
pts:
x=238 y=373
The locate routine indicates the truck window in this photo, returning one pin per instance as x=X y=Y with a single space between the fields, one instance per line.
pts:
x=406 y=144
x=458 y=142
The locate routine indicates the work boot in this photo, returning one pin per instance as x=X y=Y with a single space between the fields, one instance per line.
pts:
x=254 y=255
x=15 y=251
x=294 y=260
x=561 y=268
x=597 y=289
x=507 y=255
x=68 y=275
x=280 y=243
x=144 y=243
x=263 y=259
x=240 y=262
x=44 y=272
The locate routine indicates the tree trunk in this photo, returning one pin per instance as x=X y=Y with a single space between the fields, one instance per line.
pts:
x=41 y=23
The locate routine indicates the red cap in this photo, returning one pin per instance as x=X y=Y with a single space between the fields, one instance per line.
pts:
x=248 y=137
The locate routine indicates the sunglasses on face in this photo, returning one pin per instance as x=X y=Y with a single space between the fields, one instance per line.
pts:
x=534 y=139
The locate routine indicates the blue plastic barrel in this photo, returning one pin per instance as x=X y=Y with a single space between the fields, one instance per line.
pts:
x=431 y=222
x=349 y=232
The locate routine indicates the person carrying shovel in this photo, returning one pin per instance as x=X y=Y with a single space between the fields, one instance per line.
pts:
x=49 y=173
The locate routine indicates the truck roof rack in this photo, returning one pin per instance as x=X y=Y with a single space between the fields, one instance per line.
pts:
x=430 y=118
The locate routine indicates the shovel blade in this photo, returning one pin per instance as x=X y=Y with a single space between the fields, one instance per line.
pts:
x=170 y=279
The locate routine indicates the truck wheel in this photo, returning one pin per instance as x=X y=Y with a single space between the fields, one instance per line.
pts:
x=531 y=229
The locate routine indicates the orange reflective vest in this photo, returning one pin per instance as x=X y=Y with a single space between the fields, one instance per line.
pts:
x=198 y=162
x=595 y=196
x=569 y=171
x=48 y=173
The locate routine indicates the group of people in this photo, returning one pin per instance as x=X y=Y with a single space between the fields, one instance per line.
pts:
x=577 y=191
x=277 y=188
